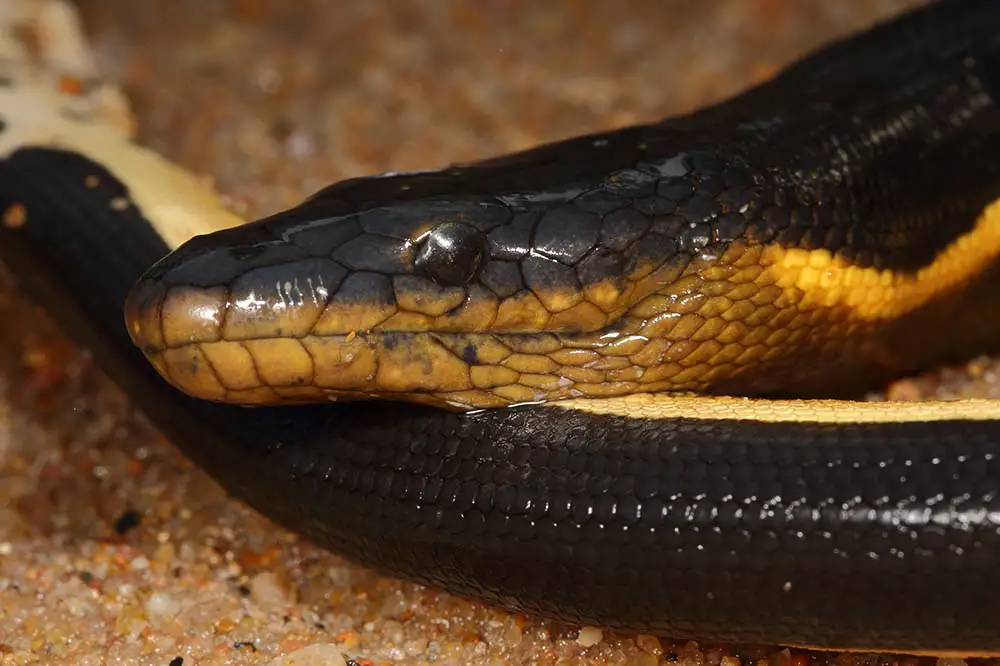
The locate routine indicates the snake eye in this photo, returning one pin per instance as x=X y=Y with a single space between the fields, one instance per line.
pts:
x=450 y=254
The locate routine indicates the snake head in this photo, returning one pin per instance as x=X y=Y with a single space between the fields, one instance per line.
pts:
x=399 y=286
x=501 y=284
x=420 y=287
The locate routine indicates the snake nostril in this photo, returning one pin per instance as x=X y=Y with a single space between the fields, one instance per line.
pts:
x=450 y=254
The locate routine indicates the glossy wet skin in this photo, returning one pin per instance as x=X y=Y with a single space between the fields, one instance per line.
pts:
x=741 y=257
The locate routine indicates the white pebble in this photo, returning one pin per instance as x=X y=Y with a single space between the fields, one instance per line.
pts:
x=589 y=636
x=161 y=604
x=512 y=635
x=267 y=590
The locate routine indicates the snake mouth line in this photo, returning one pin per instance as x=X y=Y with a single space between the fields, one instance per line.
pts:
x=464 y=371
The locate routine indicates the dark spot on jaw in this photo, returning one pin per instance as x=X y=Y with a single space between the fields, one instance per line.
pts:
x=390 y=341
x=470 y=355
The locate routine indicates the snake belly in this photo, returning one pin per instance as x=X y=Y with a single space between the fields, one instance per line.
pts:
x=867 y=168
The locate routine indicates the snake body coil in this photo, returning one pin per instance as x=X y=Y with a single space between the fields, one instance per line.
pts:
x=817 y=229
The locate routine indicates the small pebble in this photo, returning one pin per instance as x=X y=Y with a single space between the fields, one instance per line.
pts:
x=589 y=637
x=162 y=604
x=512 y=634
x=339 y=576
x=394 y=604
x=267 y=589
x=393 y=632
x=650 y=644
x=690 y=654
